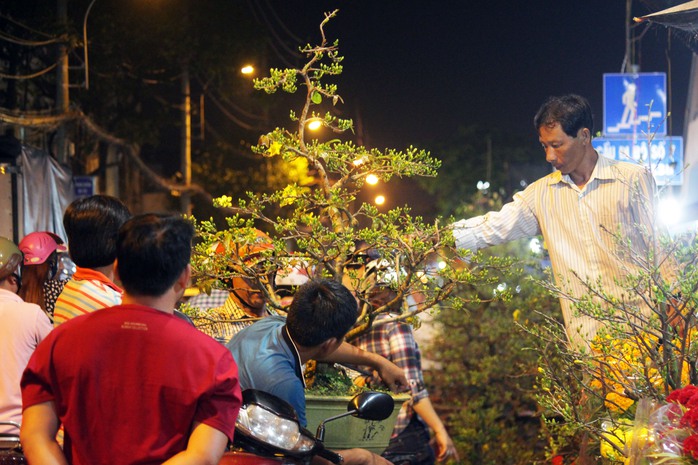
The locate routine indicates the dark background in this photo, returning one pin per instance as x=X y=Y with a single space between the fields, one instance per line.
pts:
x=416 y=70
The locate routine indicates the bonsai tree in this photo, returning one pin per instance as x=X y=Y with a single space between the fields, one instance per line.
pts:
x=323 y=229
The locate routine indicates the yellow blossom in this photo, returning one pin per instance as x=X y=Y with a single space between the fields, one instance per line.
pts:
x=275 y=148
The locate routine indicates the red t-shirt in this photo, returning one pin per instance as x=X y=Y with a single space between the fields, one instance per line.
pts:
x=128 y=382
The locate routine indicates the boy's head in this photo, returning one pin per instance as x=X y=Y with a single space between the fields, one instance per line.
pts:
x=152 y=251
x=91 y=226
x=321 y=309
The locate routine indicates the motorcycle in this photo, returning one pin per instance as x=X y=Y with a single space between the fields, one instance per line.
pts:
x=10 y=449
x=267 y=431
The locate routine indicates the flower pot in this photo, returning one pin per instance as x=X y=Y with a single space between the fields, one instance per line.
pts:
x=350 y=432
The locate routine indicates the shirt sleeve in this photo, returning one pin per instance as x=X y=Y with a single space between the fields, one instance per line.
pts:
x=36 y=379
x=43 y=326
x=405 y=354
x=515 y=220
x=219 y=408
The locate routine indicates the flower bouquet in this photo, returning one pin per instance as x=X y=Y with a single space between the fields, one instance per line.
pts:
x=665 y=434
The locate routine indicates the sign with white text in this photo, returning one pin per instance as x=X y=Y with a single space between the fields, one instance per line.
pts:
x=664 y=155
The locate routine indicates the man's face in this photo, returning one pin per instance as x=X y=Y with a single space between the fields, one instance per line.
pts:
x=562 y=151
x=248 y=289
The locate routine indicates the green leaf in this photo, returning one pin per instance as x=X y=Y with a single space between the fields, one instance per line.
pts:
x=316 y=98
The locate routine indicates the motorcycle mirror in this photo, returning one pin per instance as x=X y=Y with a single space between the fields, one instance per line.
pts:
x=369 y=405
x=372 y=406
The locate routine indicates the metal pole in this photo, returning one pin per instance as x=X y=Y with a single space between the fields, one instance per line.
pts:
x=84 y=42
x=185 y=199
x=62 y=95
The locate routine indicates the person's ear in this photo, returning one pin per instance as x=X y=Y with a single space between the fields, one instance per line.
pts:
x=329 y=346
x=115 y=266
x=585 y=135
x=183 y=281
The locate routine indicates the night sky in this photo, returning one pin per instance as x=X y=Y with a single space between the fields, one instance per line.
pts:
x=415 y=70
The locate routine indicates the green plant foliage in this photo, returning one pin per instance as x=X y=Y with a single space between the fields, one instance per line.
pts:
x=646 y=348
x=319 y=224
x=484 y=388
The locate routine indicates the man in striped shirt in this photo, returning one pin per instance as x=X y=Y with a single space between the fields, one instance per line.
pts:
x=91 y=225
x=581 y=209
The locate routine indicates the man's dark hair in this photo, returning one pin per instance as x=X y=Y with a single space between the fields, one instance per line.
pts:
x=152 y=251
x=571 y=111
x=91 y=226
x=321 y=309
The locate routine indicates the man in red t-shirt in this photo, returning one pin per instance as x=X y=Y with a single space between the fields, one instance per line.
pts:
x=133 y=383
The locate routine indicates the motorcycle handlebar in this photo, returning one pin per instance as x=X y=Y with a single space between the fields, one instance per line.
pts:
x=331 y=456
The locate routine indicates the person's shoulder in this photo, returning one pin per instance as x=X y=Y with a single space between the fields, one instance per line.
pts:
x=24 y=310
x=625 y=165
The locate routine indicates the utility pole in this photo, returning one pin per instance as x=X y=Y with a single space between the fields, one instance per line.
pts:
x=62 y=95
x=185 y=199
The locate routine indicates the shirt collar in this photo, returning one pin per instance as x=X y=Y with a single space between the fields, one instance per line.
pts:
x=602 y=170
x=89 y=274
x=294 y=349
x=236 y=312
x=233 y=310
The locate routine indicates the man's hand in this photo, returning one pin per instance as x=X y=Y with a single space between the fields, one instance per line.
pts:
x=674 y=316
x=393 y=376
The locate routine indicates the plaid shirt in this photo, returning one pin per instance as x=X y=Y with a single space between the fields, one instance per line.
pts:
x=203 y=301
x=225 y=321
x=395 y=341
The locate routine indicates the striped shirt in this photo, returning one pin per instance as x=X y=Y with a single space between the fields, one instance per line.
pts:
x=88 y=290
x=581 y=227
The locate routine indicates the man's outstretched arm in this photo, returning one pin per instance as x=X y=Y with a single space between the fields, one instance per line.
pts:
x=392 y=375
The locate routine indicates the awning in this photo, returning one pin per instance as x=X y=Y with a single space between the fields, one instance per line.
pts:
x=683 y=17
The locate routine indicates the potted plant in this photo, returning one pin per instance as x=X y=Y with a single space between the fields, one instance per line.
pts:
x=321 y=227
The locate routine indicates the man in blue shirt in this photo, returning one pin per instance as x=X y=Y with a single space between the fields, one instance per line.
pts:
x=270 y=353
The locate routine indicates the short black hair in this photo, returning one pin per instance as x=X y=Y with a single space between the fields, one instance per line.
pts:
x=152 y=251
x=572 y=112
x=91 y=226
x=321 y=309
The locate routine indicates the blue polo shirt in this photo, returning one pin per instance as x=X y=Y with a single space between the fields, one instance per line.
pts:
x=268 y=360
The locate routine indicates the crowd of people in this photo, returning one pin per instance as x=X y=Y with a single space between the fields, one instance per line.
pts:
x=105 y=348
x=100 y=369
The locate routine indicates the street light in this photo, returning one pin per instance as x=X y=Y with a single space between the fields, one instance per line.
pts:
x=379 y=200
x=372 y=179
x=247 y=70
x=84 y=44
x=314 y=124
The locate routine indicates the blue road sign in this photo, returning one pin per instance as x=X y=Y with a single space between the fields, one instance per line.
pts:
x=664 y=155
x=634 y=104
x=84 y=186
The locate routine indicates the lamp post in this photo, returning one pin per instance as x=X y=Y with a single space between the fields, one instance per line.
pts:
x=84 y=44
x=62 y=93
x=185 y=199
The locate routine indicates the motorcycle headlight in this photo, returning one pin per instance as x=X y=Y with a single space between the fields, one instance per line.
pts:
x=264 y=426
